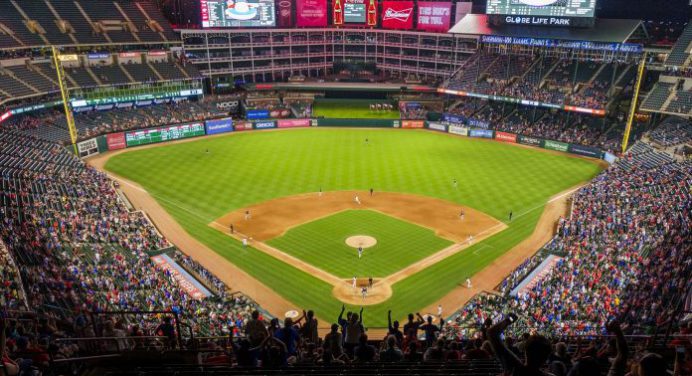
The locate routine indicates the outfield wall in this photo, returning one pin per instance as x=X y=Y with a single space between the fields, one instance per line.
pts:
x=122 y=140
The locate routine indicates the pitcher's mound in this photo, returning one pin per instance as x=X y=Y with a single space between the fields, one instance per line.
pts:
x=364 y=241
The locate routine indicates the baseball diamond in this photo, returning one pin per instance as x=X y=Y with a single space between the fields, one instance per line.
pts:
x=277 y=177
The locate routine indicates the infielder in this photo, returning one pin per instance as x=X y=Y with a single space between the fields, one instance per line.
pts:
x=462 y=214
x=468 y=283
x=356 y=199
x=247 y=215
x=364 y=292
x=354 y=282
x=360 y=252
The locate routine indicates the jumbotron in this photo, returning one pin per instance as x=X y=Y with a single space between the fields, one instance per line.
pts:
x=370 y=187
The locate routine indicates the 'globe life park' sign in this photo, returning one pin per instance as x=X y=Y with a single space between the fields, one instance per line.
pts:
x=538 y=21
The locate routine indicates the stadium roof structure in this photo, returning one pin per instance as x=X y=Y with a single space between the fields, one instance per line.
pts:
x=605 y=30
x=343 y=86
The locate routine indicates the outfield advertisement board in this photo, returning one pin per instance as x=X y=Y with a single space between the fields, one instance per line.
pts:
x=532 y=141
x=556 y=145
x=412 y=124
x=265 y=124
x=506 y=137
x=116 y=141
x=257 y=114
x=481 y=133
x=293 y=123
x=87 y=148
x=586 y=151
x=437 y=127
x=161 y=134
x=461 y=131
x=219 y=126
x=455 y=119
x=243 y=126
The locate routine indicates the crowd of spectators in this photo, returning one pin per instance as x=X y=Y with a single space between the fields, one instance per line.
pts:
x=79 y=249
x=626 y=256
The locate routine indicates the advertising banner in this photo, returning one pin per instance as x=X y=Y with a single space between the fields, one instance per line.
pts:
x=481 y=133
x=397 y=15
x=461 y=131
x=87 y=148
x=257 y=114
x=506 y=137
x=188 y=283
x=161 y=134
x=127 y=55
x=116 y=141
x=437 y=127
x=265 y=124
x=555 y=145
x=248 y=13
x=412 y=124
x=532 y=141
x=98 y=56
x=434 y=16
x=455 y=119
x=243 y=126
x=586 y=151
x=219 y=126
x=293 y=123
x=479 y=123
x=285 y=13
x=311 y=13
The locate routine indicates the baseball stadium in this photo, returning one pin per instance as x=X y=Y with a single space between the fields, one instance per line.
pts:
x=346 y=187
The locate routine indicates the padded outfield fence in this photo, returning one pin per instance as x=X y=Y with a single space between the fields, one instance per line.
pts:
x=122 y=140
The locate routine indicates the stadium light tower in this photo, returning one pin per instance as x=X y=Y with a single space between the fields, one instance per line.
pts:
x=64 y=92
x=633 y=105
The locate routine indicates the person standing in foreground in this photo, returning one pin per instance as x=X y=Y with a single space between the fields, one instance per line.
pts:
x=537 y=351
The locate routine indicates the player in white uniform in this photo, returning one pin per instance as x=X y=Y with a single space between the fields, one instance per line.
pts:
x=360 y=252
x=354 y=282
x=356 y=199
x=468 y=283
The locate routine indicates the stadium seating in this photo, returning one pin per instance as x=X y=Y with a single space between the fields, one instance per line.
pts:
x=66 y=22
x=678 y=55
x=657 y=97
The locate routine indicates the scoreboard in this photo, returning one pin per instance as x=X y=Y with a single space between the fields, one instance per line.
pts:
x=173 y=132
x=576 y=13
x=238 y=13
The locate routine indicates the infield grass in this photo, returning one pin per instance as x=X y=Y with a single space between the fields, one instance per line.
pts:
x=246 y=168
x=322 y=243
x=352 y=109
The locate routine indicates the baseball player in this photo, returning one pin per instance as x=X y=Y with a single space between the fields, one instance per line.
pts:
x=370 y=282
x=510 y=215
x=364 y=292
x=462 y=214
x=231 y=228
x=371 y=192
x=247 y=215
x=360 y=252
x=454 y=182
x=356 y=199
x=468 y=283
x=470 y=239
x=244 y=242
x=439 y=310
x=354 y=282
x=320 y=192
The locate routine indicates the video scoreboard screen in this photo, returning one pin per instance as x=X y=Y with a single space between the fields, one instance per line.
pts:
x=154 y=135
x=577 y=13
x=354 y=12
x=238 y=13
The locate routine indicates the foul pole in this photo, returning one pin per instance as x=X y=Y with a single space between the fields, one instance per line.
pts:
x=64 y=92
x=633 y=105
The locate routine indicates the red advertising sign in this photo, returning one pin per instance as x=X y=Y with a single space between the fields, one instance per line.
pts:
x=412 y=124
x=338 y=13
x=397 y=15
x=506 y=137
x=243 y=126
x=185 y=281
x=434 y=16
x=293 y=123
x=311 y=13
x=116 y=141
x=285 y=18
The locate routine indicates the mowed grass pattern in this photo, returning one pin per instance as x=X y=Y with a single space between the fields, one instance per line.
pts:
x=247 y=168
x=322 y=243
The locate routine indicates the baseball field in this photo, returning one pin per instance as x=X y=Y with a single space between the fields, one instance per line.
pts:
x=439 y=212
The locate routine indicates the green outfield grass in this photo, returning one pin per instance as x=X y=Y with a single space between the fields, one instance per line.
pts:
x=322 y=243
x=351 y=109
x=246 y=168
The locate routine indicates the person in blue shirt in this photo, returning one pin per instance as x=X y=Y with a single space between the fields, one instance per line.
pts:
x=289 y=336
